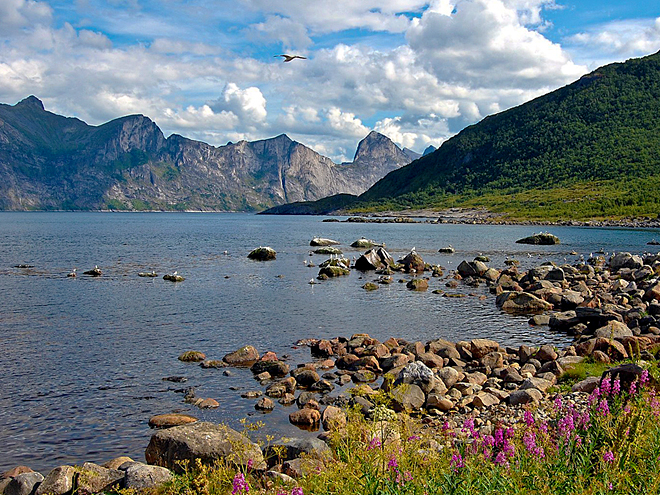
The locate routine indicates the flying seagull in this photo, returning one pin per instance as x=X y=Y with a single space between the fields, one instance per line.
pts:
x=289 y=58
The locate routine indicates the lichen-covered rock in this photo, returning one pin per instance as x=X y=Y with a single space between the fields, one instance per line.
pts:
x=93 y=478
x=58 y=482
x=207 y=441
x=521 y=303
x=143 y=477
x=328 y=250
x=418 y=284
x=407 y=397
x=192 y=357
x=369 y=286
x=262 y=254
x=363 y=243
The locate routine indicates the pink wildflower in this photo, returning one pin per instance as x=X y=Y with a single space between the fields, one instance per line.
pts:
x=605 y=385
x=529 y=418
x=616 y=386
x=608 y=456
x=501 y=460
x=375 y=442
x=297 y=491
x=412 y=438
x=239 y=485
x=644 y=378
x=456 y=462
x=633 y=388
x=604 y=407
x=393 y=465
x=558 y=403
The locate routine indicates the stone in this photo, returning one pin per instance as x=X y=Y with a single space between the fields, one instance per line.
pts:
x=413 y=262
x=213 y=363
x=374 y=259
x=484 y=399
x=418 y=284
x=15 y=471
x=170 y=420
x=192 y=357
x=208 y=404
x=143 y=477
x=305 y=377
x=450 y=376
x=93 y=478
x=493 y=360
x=305 y=417
x=264 y=404
x=333 y=418
x=542 y=238
x=322 y=241
x=537 y=383
x=527 y=396
x=439 y=402
x=369 y=286
x=521 y=303
x=23 y=484
x=116 y=462
x=394 y=361
x=612 y=348
x=208 y=441
x=546 y=353
x=58 y=482
x=614 y=330
x=323 y=386
x=480 y=347
x=431 y=360
x=262 y=254
x=587 y=385
x=276 y=369
x=407 y=397
x=625 y=260
x=243 y=357
x=322 y=348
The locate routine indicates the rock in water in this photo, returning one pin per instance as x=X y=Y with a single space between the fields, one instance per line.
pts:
x=521 y=303
x=170 y=420
x=364 y=243
x=418 y=284
x=207 y=441
x=328 y=250
x=374 y=259
x=173 y=277
x=192 y=357
x=542 y=238
x=245 y=356
x=321 y=241
x=413 y=261
x=262 y=254
x=94 y=272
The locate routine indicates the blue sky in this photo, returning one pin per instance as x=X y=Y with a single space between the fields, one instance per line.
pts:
x=418 y=71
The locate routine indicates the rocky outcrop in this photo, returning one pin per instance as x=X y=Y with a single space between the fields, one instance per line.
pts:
x=542 y=238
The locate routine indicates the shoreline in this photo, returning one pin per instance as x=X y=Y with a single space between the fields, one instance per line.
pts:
x=612 y=306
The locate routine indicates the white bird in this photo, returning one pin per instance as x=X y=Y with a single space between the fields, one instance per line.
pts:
x=289 y=58
x=175 y=273
x=73 y=273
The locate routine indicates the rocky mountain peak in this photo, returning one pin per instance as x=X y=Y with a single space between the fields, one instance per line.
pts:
x=430 y=149
x=376 y=146
x=31 y=102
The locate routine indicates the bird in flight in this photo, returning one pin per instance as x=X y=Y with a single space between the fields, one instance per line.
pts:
x=289 y=58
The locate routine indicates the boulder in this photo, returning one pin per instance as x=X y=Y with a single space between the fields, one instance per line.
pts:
x=439 y=402
x=208 y=441
x=245 y=356
x=587 y=385
x=262 y=254
x=614 y=330
x=305 y=417
x=363 y=243
x=322 y=241
x=413 y=262
x=336 y=268
x=521 y=303
x=328 y=250
x=305 y=377
x=264 y=404
x=484 y=399
x=542 y=238
x=293 y=448
x=192 y=357
x=625 y=260
x=450 y=376
x=333 y=418
x=143 y=477
x=374 y=259
x=418 y=284
x=273 y=368
x=23 y=484
x=170 y=420
x=58 y=482
x=116 y=462
x=527 y=396
x=15 y=471
x=493 y=360
x=481 y=347
x=546 y=353
x=93 y=478
x=407 y=397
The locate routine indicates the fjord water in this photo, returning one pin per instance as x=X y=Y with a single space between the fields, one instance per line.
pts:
x=83 y=359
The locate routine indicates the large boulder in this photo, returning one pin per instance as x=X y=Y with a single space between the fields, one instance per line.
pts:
x=207 y=441
x=413 y=262
x=292 y=448
x=374 y=259
x=322 y=241
x=625 y=260
x=141 y=476
x=93 y=478
x=23 y=484
x=614 y=330
x=170 y=420
x=58 y=482
x=418 y=284
x=407 y=397
x=262 y=254
x=363 y=243
x=542 y=238
x=273 y=368
x=481 y=347
x=521 y=303
x=245 y=356
x=472 y=268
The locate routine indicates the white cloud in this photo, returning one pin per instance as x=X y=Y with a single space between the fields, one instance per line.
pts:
x=18 y=14
x=346 y=123
x=248 y=104
x=291 y=34
x=621 y=39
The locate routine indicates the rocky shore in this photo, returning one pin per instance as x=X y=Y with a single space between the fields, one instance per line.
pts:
x=610 y=307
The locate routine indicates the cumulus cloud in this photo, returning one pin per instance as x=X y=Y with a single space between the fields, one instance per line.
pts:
x=291 y=34
x=621 y=38
x=18 y=14
x=248 y=104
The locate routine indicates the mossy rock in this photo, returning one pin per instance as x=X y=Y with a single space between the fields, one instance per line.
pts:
x=369 y=286
x=482 y=258
x=192 y=357
x=331 y=271
x=328 y=250
x=173 y=277
x=262 y=254
x=418 y=284
x=542 y=238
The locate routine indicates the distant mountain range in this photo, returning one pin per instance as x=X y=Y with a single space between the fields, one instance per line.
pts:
x=51 y=162
x=588 y=150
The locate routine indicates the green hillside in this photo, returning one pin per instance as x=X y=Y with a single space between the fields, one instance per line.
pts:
x=587 y=150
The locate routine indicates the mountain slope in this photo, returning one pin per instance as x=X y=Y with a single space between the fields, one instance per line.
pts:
x=602 y=130
x=52 y=162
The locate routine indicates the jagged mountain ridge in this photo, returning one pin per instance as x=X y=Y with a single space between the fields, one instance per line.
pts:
x=48 y=161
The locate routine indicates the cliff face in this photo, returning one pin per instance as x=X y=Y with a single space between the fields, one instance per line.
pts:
x=52 y=162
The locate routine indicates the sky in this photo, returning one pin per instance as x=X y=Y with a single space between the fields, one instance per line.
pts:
x=417 y=71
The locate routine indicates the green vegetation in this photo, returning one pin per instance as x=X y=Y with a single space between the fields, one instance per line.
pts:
x=579 y=372
x=609 y=444
x=588 y=150
x=115 y=204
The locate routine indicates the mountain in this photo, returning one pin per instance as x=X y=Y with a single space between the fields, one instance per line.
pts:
x=48 y=161
x=590 y=149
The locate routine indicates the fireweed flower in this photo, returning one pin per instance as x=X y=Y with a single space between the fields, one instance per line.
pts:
x=604 y=407
x=412 y=438
x=239 y=485
x=633 y=388
x=501 y=460
x=605 y=385
x=608 y=456
x=375 y=442
x=644 y=378
x=393 y=465
x=616 y=386
x=529 y=418
x=297 y=491
x=456 y=462
x=558 y=403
